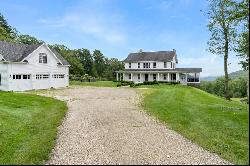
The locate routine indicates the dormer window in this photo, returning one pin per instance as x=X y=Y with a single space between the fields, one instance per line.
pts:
x=171 y=65
x=139 y=65
x=129 y=65
x=42 y=58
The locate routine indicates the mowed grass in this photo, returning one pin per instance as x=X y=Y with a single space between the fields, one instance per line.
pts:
x=97 y=83
x=28 y=127
x=217 y=125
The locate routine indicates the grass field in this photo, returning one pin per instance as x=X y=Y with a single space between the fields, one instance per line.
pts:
x=28 y=126
x=97 y=83
x=218 y=125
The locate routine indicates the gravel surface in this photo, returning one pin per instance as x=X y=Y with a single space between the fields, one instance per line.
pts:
x=106 y=126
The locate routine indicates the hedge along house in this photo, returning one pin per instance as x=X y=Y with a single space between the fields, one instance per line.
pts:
x=27 y=67
x=157 y=66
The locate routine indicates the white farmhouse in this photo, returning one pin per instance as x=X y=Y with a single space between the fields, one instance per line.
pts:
x=26 y=67
x=157 y=66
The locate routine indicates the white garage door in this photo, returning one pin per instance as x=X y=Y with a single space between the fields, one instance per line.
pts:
x=58 y=80
x=41 y=81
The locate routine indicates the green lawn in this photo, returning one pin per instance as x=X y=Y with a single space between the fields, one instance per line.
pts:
x=28 y=127
x=97 y=83
x=218 y=125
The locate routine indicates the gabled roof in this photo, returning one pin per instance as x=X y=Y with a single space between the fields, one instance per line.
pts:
x=152 y=56
x=16 y=52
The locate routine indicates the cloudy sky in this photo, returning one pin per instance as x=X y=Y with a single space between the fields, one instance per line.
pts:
x=118 y=27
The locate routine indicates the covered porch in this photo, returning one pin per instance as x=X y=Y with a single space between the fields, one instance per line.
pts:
x=141 y=76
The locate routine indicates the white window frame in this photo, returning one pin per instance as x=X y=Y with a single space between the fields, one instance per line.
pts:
x=154 y=64
x=165 y=64
x=43 y=58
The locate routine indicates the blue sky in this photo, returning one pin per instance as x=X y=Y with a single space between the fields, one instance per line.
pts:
x=118 y=27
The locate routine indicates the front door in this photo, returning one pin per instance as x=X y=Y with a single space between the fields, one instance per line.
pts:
x=146 y=77
x=173 y=77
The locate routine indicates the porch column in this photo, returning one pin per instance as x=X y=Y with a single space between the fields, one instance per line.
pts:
x=168 y=77
x=117 y=78
x=140 y=77
x=177 y=77
x=186 y=78
x=123 y=76
x=131 y=76
x=120 y=76
x=158 y=77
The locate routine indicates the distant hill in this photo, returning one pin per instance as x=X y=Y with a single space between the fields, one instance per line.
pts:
x=232 y=75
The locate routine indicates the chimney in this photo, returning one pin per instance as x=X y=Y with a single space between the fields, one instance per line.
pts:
x=140 y=51
x=174 y=50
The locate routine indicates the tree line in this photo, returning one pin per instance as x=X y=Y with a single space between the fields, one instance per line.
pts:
x=84 y=64
x=237 y=87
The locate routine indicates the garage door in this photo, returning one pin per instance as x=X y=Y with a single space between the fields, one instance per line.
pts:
x=58 y=80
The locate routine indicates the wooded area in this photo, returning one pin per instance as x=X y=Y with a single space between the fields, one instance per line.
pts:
x=85 y=65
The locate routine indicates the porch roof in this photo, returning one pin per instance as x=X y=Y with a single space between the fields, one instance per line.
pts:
x=176 y=70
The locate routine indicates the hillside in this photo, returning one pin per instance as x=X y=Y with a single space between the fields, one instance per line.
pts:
x=214 y=123
x=232 y=75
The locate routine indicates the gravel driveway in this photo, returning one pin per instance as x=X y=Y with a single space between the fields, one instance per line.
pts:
x=106 y=126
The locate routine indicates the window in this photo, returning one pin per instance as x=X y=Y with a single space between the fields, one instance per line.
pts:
x=154 y=77
x=171 y=65
x=154 y=65
x=42 y=76
x=165 y=64
x=17 y=77
x=25 y=77
x=146 y=65
x=193 y=77
x=164 y=76
x=0 y=79
x=129 y=65
x=129 y=76
x=139 y=76
x=139 y=65
x=58 y=76
x=42 y=58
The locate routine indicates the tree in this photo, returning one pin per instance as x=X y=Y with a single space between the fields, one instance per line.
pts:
x=99 y=62
x=86 y=59
x=241 y=16
x=27 y=39
x=6 y=31
x=223 y=32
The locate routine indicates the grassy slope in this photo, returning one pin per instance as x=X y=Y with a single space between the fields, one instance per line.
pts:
x=28 y=126
x=97 y=83
x=216 y=124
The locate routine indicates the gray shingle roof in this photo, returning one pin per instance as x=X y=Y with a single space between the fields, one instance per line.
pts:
x=64 y=62
x=152 y=56
x=16 y=52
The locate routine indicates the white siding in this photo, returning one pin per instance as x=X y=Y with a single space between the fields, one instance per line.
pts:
x=4 y=77
x=159 y=65
x=33 y=68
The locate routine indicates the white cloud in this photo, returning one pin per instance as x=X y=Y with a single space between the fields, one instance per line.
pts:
x=211 y=65
x=92 y=20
